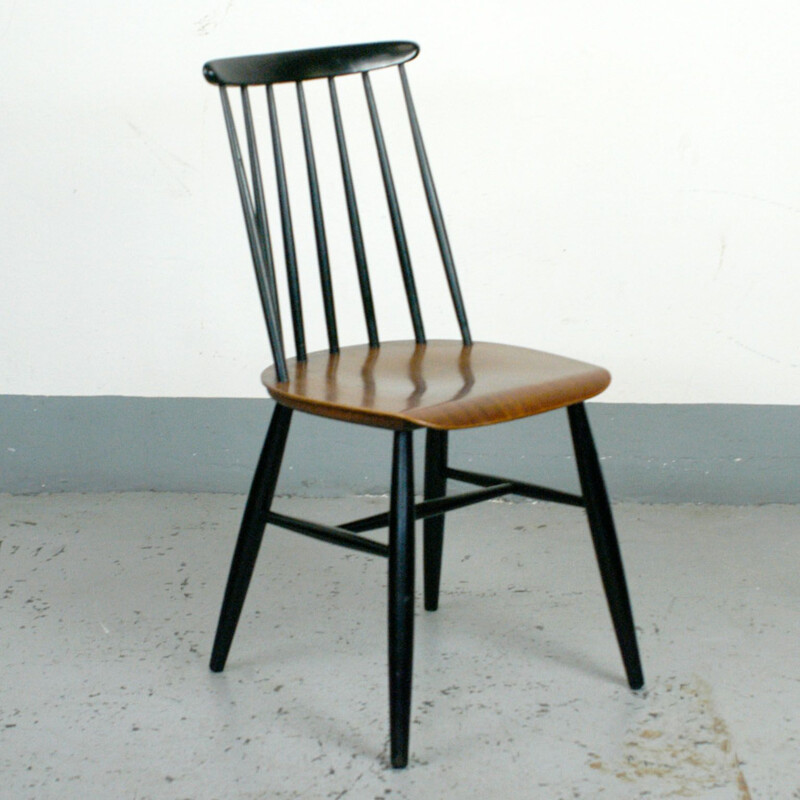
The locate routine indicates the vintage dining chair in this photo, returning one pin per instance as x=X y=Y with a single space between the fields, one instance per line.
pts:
x=438 y=385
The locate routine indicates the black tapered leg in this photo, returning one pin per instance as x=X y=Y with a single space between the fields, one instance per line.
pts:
x=250 y=534
x=605 y=541
x=401 y=596
x=433 y=527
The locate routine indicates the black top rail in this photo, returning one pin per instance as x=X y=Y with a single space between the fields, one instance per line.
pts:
x=301 y=65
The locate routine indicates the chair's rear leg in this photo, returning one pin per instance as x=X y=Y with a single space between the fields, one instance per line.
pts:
x=605 y=541
x=250 y=534
x=401 y=596
x=433 y=527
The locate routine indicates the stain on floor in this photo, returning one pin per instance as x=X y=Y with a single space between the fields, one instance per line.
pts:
x=679 y=744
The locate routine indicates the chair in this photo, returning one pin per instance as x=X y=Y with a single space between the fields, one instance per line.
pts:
x=438 y=385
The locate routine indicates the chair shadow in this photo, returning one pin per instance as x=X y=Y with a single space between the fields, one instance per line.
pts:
x=493 y=630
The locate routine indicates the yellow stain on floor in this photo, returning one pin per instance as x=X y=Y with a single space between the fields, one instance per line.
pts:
x=678 y=742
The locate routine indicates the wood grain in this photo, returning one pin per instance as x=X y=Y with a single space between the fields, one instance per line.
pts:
x=441 y=385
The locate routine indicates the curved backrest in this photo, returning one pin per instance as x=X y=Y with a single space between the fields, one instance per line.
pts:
x=296 y=67
x=303 y=65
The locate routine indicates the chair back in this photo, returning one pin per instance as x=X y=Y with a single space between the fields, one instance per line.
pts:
x=298 y=67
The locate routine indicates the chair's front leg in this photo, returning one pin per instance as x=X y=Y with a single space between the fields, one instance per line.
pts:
x=606 y=546
x=433 y=527
x=401 y=596
x=250 y=534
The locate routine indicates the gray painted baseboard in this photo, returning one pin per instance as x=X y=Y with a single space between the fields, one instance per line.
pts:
x=734 y=454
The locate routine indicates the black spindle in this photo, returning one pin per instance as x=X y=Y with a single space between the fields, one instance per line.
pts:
x=394 y=211
x=269 y=301
x=262 y=222
x=319 y=224
x=436 y=212
x=286 y=226
x=355 y=221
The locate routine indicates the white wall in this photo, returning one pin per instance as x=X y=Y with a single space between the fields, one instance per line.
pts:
x=621 y=180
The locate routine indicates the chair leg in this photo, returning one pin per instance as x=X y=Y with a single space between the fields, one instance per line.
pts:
x=250 y=534
x=605 y=541
x=433 y=527
x=401 y=596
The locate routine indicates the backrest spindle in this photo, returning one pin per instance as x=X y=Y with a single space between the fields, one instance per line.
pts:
x=262 y=223
x=286 y=226
x=355 y=222
x=436 y=212
x=319 y=224
x=269 y=300
x=394 y=211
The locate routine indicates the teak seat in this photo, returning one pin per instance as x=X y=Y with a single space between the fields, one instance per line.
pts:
x=439 y=385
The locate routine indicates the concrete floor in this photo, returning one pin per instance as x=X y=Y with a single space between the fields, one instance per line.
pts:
x=108 y=605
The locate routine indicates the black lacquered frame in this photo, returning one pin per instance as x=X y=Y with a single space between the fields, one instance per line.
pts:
x=400 y=519
x=328 y=63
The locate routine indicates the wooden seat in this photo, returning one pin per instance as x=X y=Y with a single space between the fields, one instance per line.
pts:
x=440 y=385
